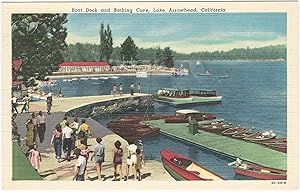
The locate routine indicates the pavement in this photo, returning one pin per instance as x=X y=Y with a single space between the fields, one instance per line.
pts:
x=51 y=169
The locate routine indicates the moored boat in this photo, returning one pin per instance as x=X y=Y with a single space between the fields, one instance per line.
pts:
x=259 y=172
x=261 y=138
x=247 y=133
x=185 y=96
x=183 y=168
x=233 y=130
x=214 y=128
x=182 y=116
x=282 y=147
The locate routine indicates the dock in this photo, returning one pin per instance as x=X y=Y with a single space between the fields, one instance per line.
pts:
x=51 y=169
x=226 y=146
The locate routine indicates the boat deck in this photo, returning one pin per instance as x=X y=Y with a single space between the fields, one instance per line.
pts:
x=234 y=148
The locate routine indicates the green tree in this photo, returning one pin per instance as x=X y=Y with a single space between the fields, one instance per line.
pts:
x=168 y=57
x=159 y=56
x=39 y=40
x=102 y=42
x=128 y=49
x=106 y=43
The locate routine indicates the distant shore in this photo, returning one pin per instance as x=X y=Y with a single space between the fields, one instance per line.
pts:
x=109 y=74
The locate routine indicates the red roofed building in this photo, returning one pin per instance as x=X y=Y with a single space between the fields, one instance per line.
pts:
x=89 y=66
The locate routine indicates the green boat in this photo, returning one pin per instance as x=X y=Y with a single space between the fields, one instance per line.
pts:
x=185 y=96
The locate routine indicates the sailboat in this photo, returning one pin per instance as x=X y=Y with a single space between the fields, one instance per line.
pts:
x=207 y=73
x=198 y=62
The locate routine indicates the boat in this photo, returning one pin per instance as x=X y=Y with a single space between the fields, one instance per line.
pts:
x=182 y=116
x=261 y=138
x=224 y=76
x=216 y=128
x=198 y=63
x=277 y=140
x=114 y=77
x=94 y=78
x=84 y=78
x=104 y=78
x=183 y=168
x=281 y=147
x=185 y=96
x=247 y=133
x=233 y=130
x=207 y=73
x=258 y=172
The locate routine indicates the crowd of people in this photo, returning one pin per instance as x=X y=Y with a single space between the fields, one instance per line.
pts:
x=71 y=140
x=115 y=89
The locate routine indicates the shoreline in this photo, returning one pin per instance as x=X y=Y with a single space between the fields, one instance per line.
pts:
x=152 y=73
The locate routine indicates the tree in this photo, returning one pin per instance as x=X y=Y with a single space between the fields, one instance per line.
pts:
x=128 y=49
x=106 y=43
x=159 y=56
x=39 y=40
x=167 y=57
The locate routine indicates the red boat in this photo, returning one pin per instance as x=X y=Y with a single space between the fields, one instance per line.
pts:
x=234 y=130
x=259 y=172
x=276 y=140
x=176 y=119
x=183 y=168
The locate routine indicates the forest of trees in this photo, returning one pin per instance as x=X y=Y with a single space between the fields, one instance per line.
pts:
x=90 y=52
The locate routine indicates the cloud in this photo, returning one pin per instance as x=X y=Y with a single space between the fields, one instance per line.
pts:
x=162 y=31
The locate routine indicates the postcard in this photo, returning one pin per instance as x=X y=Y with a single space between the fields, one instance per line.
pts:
x=152 y=95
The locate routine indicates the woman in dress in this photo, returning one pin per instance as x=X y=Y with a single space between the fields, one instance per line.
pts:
x=35 y=157
x=29 y=134
x=117 y=160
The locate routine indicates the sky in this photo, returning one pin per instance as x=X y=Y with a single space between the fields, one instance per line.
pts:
x=184 y=33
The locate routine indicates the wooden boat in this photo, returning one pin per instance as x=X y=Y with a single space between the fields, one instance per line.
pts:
x=260 y=138
x=183 y=168
x=233 y=130
x=276 y=140
x=217 y=128
x=247 y=133
x=124 y=125
x=259 y=172
x=182 y=116
x=185 y=96
x=282 y=147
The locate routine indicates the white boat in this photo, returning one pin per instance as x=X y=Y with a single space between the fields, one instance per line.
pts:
x=198 y=63
x=114 y=77
x=84 y=78
x=207 y=73
x=105 y=78
x=74 y=79
x=224 y=76
x=95 y=78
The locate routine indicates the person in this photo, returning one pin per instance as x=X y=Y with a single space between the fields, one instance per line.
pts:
x=74 y=126
x=60 y=93
x=80 y=167
x=117 y=160
x=49 y=102
x=121 y=89
x=56 y=140
x=25 y=108
x=84 y=131
x=14 y=104
x=132 y=89
x=29 y=134
x=67 y=132
x=41 y=126
x=99 y=155
x=35 y=157
x=139 y=87
x=35 y=125
x=131 y=160
x=139 y=163
x=15 y=135
x=63 y=123
x=80 y=147
x=114 y=90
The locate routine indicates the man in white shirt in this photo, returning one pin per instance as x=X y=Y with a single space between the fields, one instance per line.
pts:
x=14 y=104
x=41 y=128
x=67 y=142
x=80 y=166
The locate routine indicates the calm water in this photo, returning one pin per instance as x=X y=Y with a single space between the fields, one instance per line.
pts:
x=254 y=95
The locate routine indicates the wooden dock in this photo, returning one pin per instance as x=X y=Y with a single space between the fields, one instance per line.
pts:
x=227 y=146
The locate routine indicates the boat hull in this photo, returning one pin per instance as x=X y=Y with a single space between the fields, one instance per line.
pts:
x=179 y=173
x=260 y=175
x=189 y=100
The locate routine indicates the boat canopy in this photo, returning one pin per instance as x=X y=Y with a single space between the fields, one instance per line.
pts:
x=203 y=92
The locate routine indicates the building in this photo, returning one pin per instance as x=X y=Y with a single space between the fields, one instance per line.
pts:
x=89 y=66
x=18 y=88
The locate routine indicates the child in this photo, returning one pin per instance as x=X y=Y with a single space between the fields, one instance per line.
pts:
x=139 y=163
x=35 y=157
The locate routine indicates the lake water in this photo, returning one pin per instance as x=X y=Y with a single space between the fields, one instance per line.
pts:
x=254 y=95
